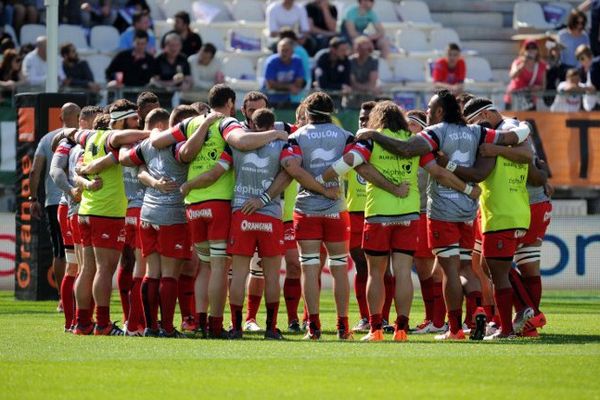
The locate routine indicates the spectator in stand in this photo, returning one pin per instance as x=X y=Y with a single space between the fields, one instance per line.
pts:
x=594 y=35
x=77 y=72
x=356 y=21
x=572 y=94
x=364 y=72
x=322 y=18
x=284 y=74
x=34 y=64
x=24 y=12
x=573 y=36
x=141 y=22
x=132 y=67
x=98 y=12
x=300 y=52
x=556 y=72
x=190 y=40
x=285 y=14
x=171 y=68
x=527 y=75
x=449 y=72
x=206 y=70
x=332 y=71
x=10 y=73
x=589 y=72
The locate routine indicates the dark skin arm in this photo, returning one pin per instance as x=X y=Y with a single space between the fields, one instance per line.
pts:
x=293 y=166
x=477 y=173
x=520 y=153
x=281 y=181
x=538 y=173
x=415 y=146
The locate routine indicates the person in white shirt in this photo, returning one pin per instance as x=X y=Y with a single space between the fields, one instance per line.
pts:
x=206 y=69
x=285 y=14
x=572 y=93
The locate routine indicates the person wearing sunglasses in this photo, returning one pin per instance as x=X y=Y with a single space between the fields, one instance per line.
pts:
x=572 y=36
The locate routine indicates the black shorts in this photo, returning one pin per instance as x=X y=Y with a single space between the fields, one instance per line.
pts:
x=58 y=247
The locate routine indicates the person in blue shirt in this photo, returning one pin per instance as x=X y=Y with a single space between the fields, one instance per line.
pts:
x=358 y=18
x=284 y=74
x=300 y=52
x=141 y=22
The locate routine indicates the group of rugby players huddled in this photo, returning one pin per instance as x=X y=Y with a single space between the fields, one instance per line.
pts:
x=180 y=203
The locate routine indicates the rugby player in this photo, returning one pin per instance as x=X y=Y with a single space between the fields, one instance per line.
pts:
x=451 y=212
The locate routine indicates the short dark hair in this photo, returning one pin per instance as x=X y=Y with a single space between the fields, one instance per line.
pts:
x=288 y=33
x=182 y=112
x=574 y=16
x=418 y=114
x=89 y=112
x=319 y=107
x=452 y=112
x=140 y=34
x=145 y=98
x=137 y=16
x=219 y=94
x=464 y=97
x=209 y=48
x=201 y=107
x=255 y=95
x=368 y=105
x=337 y=41
x=453 y=46
x=184 y=16
x=122 y=105
x=65 y=49
x=155 y=117
x=101 y=122
x=475 y=104
x=263 y=119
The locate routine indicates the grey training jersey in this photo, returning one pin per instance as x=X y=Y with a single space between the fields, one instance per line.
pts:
x=254 y=172
x=319 y=146
x=460 y=143
x=134 y=189
x=75 y=155
x=161 y=208
x=53 y=193
x=537 y=194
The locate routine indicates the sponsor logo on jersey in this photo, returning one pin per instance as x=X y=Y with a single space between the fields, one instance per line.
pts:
x=202 y=213
x=256 y=226
x=254 y=159
x=130 y=220
x=361 y=180
x=461 y=157
x=547 y=216
x=321 y=154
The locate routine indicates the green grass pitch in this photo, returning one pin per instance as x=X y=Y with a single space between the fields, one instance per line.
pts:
x=39 y=361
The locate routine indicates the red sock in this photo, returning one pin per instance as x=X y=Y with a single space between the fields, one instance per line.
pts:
x=215 y=325
x=390 y=290
x=292 y=292
x=342 y=324
x=236 y=316
x=534 y=288
x=520 y=297
x=253 y=305
x=314 y=322
x=185 y=294
x=102 y=316
x=202 y=319
x=168 y=301
x=439 y=306
x=455 y=320
x=135 y=320
x=473 y=300
x=272 y=309
x=489 y=312
x=401 y=323
x=83 y=316
x=66 y=294
x=124 y=283
x=150 y=301
x=504 y=303
x=360 y=290
x=427 y=291
x=375 y=320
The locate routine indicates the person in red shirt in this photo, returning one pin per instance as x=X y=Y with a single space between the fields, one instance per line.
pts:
x=449 y=72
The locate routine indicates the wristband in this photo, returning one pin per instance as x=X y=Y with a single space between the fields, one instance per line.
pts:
x=265 y=198
x=468 y=189
x=451 y=166
x=319 y=178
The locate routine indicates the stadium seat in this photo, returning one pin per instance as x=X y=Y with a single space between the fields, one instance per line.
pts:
x=11 y=31
x=156 y=11
x=104 y=38
x=246 y=41
x=529 y=15
x=215 y=33
x=478 y=69
x=161 y=27
x=208 y=11
x=386 y=72
x=260 y=71
x=558 y=8
x=240 y=73
x=73 y=34
x=407 y=69
x=171 y=7
x=29 y=32
x=386 y=11
x=416 y=13
x=98 y=64
x=440 y=38
x=248 y=10
x=413 y=41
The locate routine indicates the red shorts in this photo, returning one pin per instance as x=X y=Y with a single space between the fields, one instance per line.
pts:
x=209 y=221
x=74 y=224
x=289 y=236
x=541 y=214
x=477 y=232
x=132 y=222
x=502 y=244
x=103 y=232
x=255 y=232
x=328 y=228
x=167 y=240
x=443 y=234
x=65 y=227
x=423 y=250
x=357 y=223
x=386 y=237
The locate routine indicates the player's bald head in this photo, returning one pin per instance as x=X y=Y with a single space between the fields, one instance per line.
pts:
x=69 y=113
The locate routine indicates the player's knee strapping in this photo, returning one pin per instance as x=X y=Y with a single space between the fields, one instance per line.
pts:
x=310 y=259
x=218 y=249
x=337 y=260
x=477 y=247
x=70 y=256
x=256 y=271
x=527 y=255
x=202 y=251
x=447 y=251
x=466 y=254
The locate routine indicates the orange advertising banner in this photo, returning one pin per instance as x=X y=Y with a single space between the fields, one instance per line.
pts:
x=570 y=143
